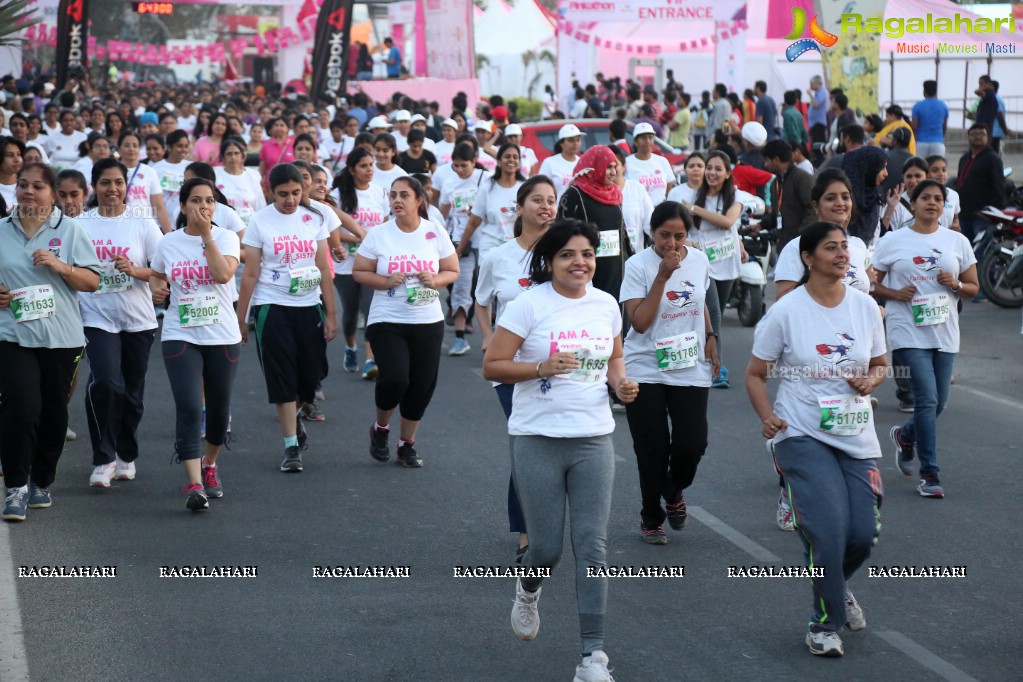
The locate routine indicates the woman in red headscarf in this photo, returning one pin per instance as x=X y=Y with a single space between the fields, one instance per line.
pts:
x=594 y=197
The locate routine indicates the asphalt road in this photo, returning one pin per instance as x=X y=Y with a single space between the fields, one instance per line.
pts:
x=347 y=509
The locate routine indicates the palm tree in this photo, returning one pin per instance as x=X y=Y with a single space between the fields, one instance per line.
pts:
x=536 y=61
x=15 y=17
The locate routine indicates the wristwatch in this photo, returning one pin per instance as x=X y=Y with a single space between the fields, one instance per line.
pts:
x=960 y=287
x=713 y=334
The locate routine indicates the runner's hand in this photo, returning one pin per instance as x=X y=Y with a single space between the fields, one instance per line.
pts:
x=773 y=425
x=243 y=326
x=44 y=258
x=426 y=278
x=5 y=296
x=627 y=390
x=330 y=328
x=559 y=363
x=905 y=294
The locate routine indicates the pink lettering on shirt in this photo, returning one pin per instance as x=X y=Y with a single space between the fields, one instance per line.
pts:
x=406 y=263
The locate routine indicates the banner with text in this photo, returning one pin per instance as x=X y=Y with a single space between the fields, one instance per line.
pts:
x=449 y=46
x=330 y=49
x=72 y=39
x=852 y=62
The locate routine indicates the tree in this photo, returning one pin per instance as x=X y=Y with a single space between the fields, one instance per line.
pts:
x=15 y=17
x=535 y=59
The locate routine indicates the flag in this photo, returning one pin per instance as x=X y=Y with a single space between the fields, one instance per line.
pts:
x=72 y=33
x=330 y=50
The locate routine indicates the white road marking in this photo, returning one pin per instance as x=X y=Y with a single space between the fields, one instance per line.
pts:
x=757 y=551
x=924 y=657
x=13 y=658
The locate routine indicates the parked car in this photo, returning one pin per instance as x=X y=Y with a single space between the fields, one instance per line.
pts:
x=540 y=136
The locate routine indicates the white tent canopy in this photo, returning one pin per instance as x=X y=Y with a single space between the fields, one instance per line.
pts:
x=504 y=39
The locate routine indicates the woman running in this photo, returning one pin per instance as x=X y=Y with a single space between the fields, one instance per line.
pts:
x=493 y=210
x=172 y=169
x=143 y=181
x=560 y=343
x=686 y=193
x=923 y=271
x=561 y=166
x=456 y=202
x=406 y=261
x=386 y=171
x=653 y=171
x=671 y=351
x=826 y=342
x=201 y=344
x=239 y=184
x=207 y=147
x=504 y=274
x=45 y=261
x=716 y=211
x=367 y=202
x=120 y=325
x=287 y=281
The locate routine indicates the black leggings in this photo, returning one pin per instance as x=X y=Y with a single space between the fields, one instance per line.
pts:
x=193 y=370
x=669 y=434
x=355 y=298
x=35 y=384
x=408 y=357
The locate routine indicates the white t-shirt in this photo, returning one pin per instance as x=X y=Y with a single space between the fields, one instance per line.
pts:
x=401 y=141
x=384 y=178
x=122 y=303
x=488 y=162
x=172 y=176
x=655 y=174
x=443 y=151
x=952 y=208
x=334 y=154
x=527 y=159
x=409 y=253
x=721 y=245
x=186 y=123
x=504 y=274
x=814 y=348
x=288 y=274
x=9 y=193
x=39 y=144
x=65 y=149
x=636 y=209
x=789 y=267
x=460 y=194
x=373 y=209
x=913 y=258
x=45 y=141
x=243 y=191
x=807 y=166
x=143 y=185
x=679 y=327
x=441 y=176
x=84 y=166
x=901 y=216
x=495 y=206
x=682 y=193
x=559 y=171
x=193 y=289
x=548 y=323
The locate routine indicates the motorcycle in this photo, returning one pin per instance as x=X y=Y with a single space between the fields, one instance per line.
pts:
x=1000 y=257
x=748 y=293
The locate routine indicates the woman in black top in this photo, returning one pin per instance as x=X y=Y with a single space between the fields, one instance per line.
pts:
x=594 y=197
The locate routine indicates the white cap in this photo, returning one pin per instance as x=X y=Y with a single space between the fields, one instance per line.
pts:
x=512 y=129
x=642 y=129
x=483 y=125
x=403 y=115
x=450 y=123
x=754 y=133
x=49 y=87
x=568 y=130
x=419 y=117
x=168 y=106
x=378 y=122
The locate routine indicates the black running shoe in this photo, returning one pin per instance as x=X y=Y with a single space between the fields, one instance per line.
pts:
x=378 y=444
x=292 y=462
x=677 y=514
x=407 y=456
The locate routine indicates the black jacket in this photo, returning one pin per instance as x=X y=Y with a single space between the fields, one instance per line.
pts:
x=980 y=182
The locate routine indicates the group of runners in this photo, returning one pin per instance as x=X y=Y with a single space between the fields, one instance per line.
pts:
x=594 y=281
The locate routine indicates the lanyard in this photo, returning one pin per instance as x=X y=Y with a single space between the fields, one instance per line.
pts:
x=130 y=180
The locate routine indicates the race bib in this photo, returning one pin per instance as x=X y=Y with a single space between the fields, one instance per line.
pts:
x=462 y=201
x=610 y=243
x=353 y=247
x=33 y=303
x=930 y=309
x=677 y=352
x=245 y=213
x=169 y=183
x=417 y=294
x=304 y=280
x=113 y=281
x=844 y=415
x=593 y=355
x=720 y=249
x=198 y=311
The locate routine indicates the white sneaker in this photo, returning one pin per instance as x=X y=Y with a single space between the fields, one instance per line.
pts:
x=783 y=515
x=102 y=475
x=525 y=619
x=854 y=619
x=70 y=435
x=593 y=669
x=824 y=644
x=124 y=471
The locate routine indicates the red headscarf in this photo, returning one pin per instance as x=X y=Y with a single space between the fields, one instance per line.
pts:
x=590 y=172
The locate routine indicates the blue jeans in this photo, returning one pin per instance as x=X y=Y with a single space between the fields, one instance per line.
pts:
x=930 y=373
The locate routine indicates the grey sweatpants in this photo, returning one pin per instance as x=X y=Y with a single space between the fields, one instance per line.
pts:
x=835 y=501
x=547 y=472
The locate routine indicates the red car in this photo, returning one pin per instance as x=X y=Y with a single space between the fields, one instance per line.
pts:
x=540 y=136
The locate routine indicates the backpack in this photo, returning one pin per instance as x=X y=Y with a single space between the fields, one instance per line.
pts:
x=701 y=119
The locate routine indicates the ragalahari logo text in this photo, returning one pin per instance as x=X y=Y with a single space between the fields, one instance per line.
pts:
x=819 y=38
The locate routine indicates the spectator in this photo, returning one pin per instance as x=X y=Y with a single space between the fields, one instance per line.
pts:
x=795 y=206
x=767 y=110
x=647 y=116
x=898 y=155
x=650 y=99
x=364 y=64
x=578 y=107
x=670 y=108
x=816 y=115
x=867 y=170
x=930 y=121
x=721 y=108
x=701 y=121
x=753 y=138
x=749 y=105
x=894 y=120
x=843 y=115
x=801 y=156
x=550 y=102
x=616 y=133
x=392 y=59
x=680 y=124
x=635 y=98
x=980 y=180
x=872 y=124
x=792 y=120
x=1000 y=129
